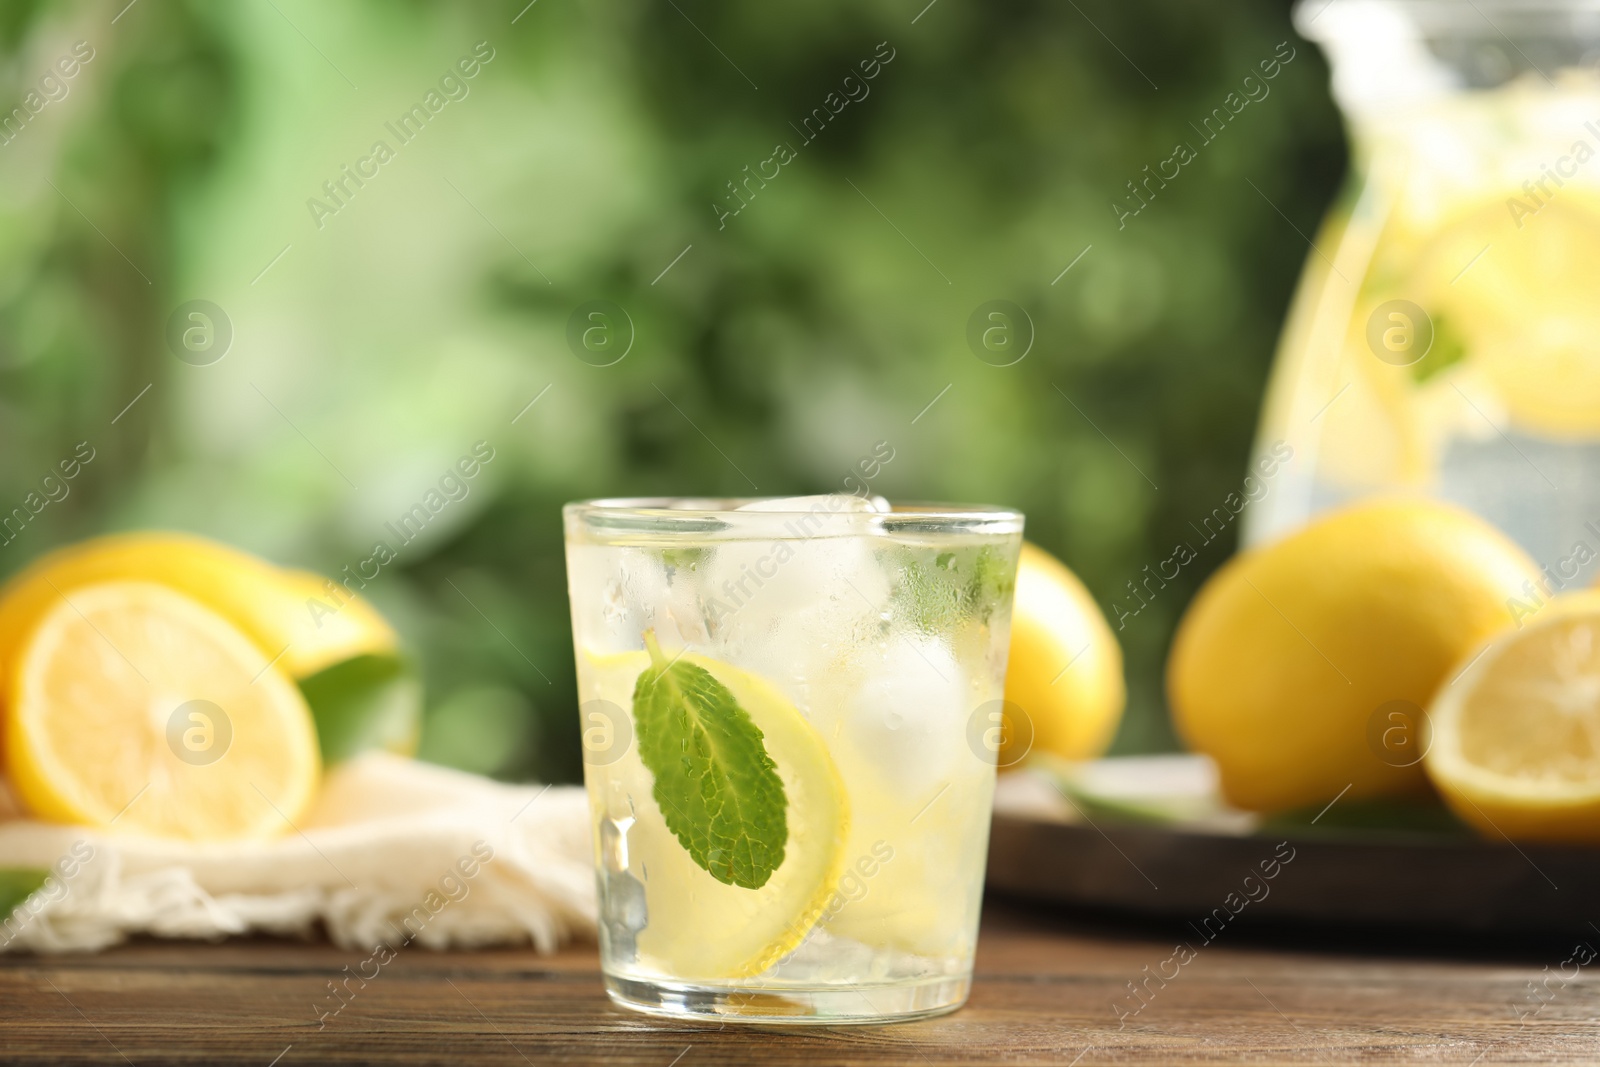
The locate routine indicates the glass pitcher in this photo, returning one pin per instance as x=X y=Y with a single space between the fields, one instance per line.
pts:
x=1445 y=337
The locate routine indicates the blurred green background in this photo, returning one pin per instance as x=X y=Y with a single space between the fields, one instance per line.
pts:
x=584 y=161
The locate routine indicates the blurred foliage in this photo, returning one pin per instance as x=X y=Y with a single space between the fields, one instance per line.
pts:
x=422 y=317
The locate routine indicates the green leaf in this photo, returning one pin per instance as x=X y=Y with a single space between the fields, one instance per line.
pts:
x=687 y=559
x=1396 y=814
x=1447 y=350
x=486 y=729
x=365 y=702
x=718 y=789
x=18 y=884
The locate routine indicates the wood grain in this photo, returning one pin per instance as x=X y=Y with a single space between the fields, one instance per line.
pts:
x=1045 y=994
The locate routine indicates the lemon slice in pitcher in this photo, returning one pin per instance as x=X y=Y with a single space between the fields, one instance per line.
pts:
x=701 y=924
x=1523 y=300
x=137 y=709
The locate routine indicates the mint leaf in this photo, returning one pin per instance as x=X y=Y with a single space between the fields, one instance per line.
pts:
x=17 y=884
x=1447 y=350
x=372 y=701
x=1397 y=814
x=718 y=789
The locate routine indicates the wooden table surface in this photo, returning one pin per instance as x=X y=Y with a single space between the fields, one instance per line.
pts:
x=1045 y=993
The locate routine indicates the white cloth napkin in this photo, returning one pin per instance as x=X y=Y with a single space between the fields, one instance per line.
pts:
x=393 y=851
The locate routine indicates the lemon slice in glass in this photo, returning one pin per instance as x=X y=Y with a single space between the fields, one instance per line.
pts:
x=695 y=925
x=1516 y=737
x=137 y=709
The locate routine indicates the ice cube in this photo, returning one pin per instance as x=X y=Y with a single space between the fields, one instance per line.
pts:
x=638 y=590
x=803 y=589
x=907 y=718
x=829 y=502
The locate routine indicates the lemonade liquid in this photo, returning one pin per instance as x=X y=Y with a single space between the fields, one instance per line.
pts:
x=790 y=720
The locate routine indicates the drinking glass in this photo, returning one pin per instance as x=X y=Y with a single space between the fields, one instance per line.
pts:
x=790 y=712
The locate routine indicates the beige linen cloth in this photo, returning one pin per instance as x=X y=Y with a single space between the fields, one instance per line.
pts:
x=392 y=850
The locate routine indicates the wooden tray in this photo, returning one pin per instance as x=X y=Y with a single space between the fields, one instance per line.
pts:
x=1323 y=876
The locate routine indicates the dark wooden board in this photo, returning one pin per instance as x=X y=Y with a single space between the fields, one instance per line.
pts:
x=1046 y=992
x=1412 y=882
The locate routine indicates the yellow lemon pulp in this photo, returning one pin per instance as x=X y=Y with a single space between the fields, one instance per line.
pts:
x=137 y=709
x=1515 y=334
x=1288 y=651
x=697 y=926
x=1526 y=309
x=1064 y=673
x=1516 y=738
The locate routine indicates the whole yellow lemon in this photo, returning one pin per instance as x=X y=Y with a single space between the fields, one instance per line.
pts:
x=1064 y=688
x=1289 y=655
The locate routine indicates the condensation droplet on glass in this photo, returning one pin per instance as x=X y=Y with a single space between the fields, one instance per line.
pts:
x=615 y=599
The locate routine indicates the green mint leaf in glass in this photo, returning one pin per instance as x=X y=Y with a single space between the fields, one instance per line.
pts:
x=717 y=788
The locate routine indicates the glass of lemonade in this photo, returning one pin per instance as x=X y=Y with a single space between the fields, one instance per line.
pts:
x=790 y=711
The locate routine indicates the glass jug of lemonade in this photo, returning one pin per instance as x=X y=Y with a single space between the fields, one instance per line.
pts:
x=1445 y=338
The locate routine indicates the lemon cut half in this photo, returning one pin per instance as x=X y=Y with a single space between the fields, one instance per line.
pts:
x=697 y=926
x=137 y=709
x=1516 y=738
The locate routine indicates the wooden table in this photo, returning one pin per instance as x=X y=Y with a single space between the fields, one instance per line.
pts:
x=1045 y=994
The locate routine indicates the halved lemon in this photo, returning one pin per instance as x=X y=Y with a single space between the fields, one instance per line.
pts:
x=318 y=622
x=136 y=709
x=1516 y=737
x=694 y=925
x=290 y=614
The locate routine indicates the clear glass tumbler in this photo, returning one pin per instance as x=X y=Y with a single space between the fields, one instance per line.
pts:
x=789 y=713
